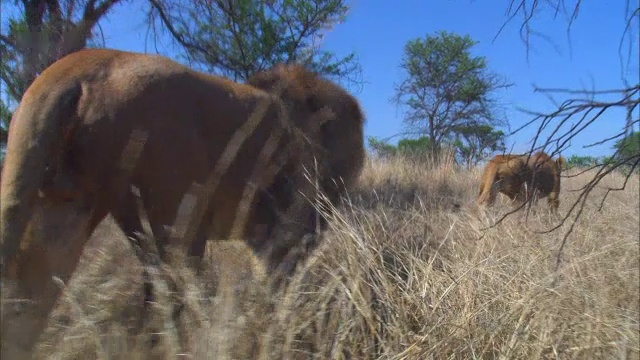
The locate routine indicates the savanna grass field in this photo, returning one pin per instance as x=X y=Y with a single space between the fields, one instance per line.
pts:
x=402 y=273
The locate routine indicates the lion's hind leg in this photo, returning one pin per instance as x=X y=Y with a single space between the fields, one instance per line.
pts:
x=44 y=265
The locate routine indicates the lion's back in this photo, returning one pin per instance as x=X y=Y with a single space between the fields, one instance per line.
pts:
x=122 y=70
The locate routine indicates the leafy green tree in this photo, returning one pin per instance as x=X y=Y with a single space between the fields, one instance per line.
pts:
x=628 y=148
x=406 y=147
x=476 y=142
x=240 y=37
x=414 y=147
x=581 y=161
x=608 y=160
x=445 y=88
x=381 y=148
x=418 y=149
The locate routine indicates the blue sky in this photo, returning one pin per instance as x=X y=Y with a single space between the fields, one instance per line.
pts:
x=377 y=30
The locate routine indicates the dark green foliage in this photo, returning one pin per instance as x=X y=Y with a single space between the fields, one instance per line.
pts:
x=476 y=142
x=406 y=147
x=381 y=148
x=415 y=147
x=629 y=147
x=238 y=38
x=582 y=161
x=480 y=144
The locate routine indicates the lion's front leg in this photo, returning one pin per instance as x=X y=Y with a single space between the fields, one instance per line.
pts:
x=554 y=202
x=488 y=193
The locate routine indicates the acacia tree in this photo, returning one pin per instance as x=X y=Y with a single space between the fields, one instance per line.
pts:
x=445 y=88
x=381 y=148
x=474 y=143
x=237 y=38
x=628 y=148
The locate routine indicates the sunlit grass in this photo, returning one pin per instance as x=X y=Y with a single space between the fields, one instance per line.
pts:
x=406 y=271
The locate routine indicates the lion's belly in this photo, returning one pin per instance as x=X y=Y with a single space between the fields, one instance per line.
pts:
x=510 y=186
x=543 y=183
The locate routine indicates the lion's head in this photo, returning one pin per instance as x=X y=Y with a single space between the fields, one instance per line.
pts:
x=337 y=150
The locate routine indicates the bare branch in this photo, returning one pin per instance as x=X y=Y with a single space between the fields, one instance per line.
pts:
x=587 y=110
x=241 y=40
x=627 y=29
x=92 y=14
x=581 y=92
x=617 y=136
x=621 y=188
x=168 y=23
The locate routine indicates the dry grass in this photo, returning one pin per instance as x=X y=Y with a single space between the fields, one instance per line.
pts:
x=402 y=274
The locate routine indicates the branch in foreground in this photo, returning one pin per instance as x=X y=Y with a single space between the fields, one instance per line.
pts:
x=585 y=112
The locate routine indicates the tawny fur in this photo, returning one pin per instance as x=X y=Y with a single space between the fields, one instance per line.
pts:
x=63 y=165
x=520 y=176
x=340 y=152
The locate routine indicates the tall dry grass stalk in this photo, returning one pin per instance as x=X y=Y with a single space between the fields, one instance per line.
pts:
x=406 y=271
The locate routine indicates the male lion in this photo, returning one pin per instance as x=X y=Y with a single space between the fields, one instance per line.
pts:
x=341 y=143
x=339 y=152
x=520 y=176
x=98 y=121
